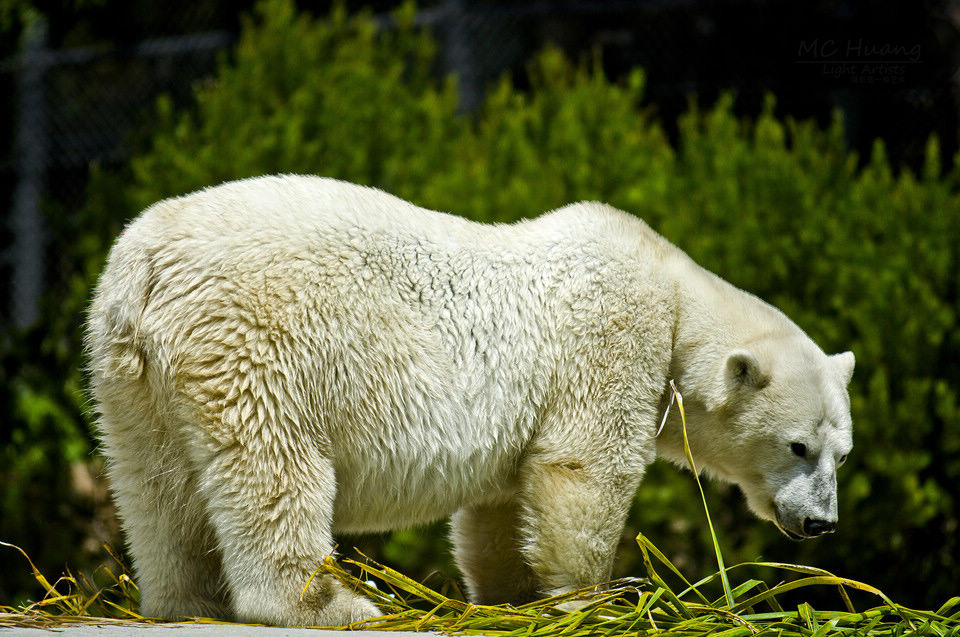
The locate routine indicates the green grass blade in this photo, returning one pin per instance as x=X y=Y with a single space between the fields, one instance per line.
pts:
x=609 y=611
x=647 y=545
x=676 y=602
x=952 y=604
x=728 y=594
x=814 y=580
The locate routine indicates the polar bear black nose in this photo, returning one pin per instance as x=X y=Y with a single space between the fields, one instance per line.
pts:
x=818 y=527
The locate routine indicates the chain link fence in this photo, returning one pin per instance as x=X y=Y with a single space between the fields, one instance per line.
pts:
x=72 y=108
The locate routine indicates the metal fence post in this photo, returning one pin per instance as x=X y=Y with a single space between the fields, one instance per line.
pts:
x=459 y=53
x=27 y=251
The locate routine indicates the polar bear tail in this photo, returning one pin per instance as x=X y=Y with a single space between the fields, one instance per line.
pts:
x=114 y=337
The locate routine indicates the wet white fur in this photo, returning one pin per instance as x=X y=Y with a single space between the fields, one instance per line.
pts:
x=279 y=359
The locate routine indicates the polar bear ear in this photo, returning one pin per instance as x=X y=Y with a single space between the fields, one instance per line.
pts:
x=844 y=365
x=743 y=370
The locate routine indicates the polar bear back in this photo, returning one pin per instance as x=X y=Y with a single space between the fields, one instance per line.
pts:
x=351 y=307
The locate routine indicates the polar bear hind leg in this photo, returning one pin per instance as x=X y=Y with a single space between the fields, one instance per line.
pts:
x=274 y=543
x=224 y=521
x=487 y=551
x=270 y=496
x=175 y=555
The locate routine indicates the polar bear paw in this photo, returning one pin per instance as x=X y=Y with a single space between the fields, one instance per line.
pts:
x=346 y=609
x=326 y=603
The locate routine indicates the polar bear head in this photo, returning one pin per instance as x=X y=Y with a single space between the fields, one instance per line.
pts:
x=784 y=414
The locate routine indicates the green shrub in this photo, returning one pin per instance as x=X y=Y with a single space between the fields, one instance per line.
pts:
x=863 y=258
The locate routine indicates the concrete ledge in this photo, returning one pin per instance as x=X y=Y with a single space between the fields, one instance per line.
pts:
x=188 y=630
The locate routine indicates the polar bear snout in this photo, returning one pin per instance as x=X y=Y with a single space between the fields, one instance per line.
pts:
x=813 y=528
x=800 y=525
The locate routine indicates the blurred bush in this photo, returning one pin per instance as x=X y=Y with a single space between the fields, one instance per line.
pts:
x=860 y=255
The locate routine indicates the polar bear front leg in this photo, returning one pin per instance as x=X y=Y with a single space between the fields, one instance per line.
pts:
x=272 y=509
x=572 y=517
x=486 y=544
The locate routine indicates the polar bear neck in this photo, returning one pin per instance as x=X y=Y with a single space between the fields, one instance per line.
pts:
x=712 y=318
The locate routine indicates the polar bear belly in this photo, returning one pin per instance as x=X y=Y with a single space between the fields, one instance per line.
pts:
x=389 y=491
x=423 y=457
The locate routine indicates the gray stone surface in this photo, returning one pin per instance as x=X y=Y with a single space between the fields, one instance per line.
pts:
x=188 y=630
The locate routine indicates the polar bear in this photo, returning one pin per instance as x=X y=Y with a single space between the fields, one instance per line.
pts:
x=279 y=359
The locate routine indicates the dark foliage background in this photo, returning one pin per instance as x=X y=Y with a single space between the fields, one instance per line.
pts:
x=766 y=157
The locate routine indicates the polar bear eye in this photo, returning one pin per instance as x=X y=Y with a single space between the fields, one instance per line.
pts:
x=842 y=459
x=799 y=449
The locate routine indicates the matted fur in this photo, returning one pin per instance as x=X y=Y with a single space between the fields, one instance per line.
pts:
x=279 y=359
